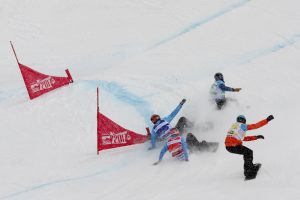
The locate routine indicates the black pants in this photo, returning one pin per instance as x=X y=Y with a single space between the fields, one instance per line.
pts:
x=182 y=124
x=220 y=103
x=248 y=157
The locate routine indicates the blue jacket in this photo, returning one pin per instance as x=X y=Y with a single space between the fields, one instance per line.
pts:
x=218 y=90
x=223 y=87
x=161 y=132
x=184 y=148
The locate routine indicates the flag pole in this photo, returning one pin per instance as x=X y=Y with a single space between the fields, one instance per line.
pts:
x=97 y=99
x=97 y=120
x=14 y=52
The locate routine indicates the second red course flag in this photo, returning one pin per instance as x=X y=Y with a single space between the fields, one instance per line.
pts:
x=37 y=83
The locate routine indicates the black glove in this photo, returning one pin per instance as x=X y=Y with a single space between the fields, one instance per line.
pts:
x=270 y=117
x=260 y=137
x=182 y=101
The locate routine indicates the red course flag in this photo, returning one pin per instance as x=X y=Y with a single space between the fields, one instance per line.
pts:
x=37 y=83
x=111 y=135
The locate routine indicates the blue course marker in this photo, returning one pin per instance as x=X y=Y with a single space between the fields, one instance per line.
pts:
x=200 y=23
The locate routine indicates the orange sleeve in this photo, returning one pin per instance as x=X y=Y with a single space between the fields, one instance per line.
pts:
x=257 y=125
x=250 y=138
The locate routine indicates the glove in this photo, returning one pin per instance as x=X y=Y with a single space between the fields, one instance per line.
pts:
x=260 y=137
x=236 y=89
x=270 y=117
x=182 y=101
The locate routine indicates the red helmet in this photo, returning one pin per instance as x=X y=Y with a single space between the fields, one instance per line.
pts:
x=174 y=131
x=154 y=118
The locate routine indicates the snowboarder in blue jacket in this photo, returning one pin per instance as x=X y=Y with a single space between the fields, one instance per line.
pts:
x=162 y=127
x=179 y=147
x=218 y=90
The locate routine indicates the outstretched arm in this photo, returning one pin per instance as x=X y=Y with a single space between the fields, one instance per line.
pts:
x=170 y=117
x=162 y=153
x=250 y=138
x=255 y=137
x=257 y=125
x=224 y=88
x=153 y=140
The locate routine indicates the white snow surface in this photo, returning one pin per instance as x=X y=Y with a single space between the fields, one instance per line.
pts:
x=145 y=56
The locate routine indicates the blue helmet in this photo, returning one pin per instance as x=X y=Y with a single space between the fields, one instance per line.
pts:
x=241 y=119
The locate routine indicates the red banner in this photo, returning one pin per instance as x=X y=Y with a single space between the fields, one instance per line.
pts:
x=38 y=84
x=112 y=135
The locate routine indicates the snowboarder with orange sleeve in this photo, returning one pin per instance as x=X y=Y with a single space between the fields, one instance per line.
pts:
x=234 y=143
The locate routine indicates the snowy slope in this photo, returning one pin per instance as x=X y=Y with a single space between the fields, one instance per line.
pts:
x=145 y=56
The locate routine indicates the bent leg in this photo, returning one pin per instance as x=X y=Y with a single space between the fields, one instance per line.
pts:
x=195 y=145
x=182 y=124
x=192 y=142
x=248 y=158
x=249 y=169
x=220 y=103
x=242 y=150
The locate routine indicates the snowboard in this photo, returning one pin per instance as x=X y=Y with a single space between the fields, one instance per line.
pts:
x=212 y=146
x=255 y=174
x=195 y=146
